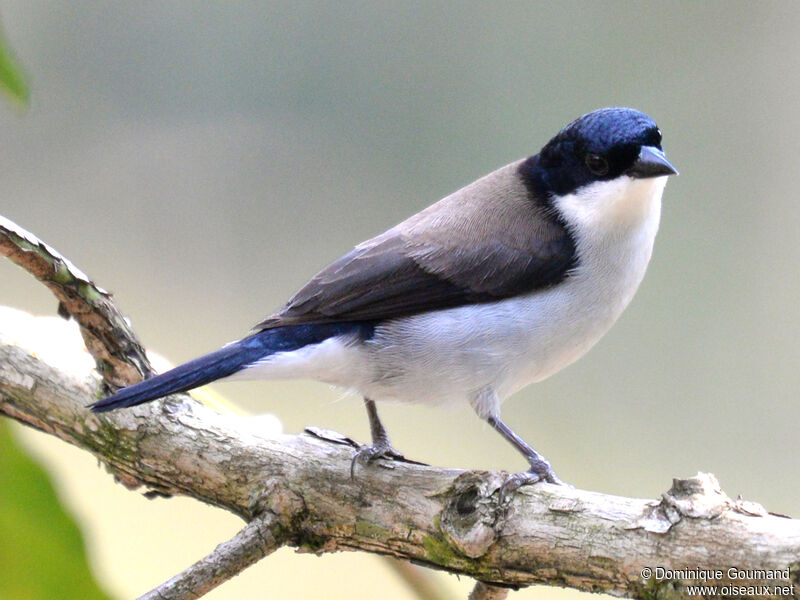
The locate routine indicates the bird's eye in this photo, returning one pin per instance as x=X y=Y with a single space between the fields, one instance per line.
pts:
x=597 y=164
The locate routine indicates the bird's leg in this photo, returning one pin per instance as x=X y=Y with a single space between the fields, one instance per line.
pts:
x=380 y=447
x=540 y=469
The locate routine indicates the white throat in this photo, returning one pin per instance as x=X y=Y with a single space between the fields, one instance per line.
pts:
x=614 y=209
x=614 y=224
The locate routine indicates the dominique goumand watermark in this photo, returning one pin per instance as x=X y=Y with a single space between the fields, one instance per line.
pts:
x=726 y=582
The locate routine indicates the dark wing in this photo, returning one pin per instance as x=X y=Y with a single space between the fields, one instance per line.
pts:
x=490 y=240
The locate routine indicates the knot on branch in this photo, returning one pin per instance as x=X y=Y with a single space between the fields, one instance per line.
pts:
x=698 y=497
x=473 y=517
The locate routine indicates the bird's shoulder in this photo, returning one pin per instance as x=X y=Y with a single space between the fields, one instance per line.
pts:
x=492 y=239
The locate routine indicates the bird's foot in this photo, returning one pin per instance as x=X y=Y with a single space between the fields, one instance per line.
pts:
x=368 y=454
x=541 y=471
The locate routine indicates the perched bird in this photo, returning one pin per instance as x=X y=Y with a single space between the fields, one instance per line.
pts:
x=496 y=286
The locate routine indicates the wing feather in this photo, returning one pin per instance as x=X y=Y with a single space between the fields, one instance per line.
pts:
x=490 y=240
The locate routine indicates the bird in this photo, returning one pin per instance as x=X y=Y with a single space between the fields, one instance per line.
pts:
x=497 y=286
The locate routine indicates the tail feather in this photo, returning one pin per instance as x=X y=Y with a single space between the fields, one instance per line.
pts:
x=228 y=360
x=195 y=373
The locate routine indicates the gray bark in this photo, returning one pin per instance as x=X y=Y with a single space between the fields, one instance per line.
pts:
x=441 y=518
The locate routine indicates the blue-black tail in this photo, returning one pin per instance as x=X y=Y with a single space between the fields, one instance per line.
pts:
x=228 y=360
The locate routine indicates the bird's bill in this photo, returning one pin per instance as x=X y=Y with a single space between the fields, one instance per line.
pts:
x=651 y=162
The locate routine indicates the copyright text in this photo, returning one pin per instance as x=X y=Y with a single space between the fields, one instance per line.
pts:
x=730 y=582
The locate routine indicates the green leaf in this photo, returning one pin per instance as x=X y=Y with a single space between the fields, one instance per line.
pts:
x=12 y=80
x=41 y=549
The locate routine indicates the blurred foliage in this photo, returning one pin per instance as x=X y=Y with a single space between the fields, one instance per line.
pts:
x=41 y=550
x=12 y=82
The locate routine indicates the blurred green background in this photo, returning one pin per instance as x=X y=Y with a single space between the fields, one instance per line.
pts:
x=202 y=161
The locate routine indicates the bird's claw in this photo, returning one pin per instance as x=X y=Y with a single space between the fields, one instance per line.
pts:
x=368 y=454
x=543 y=473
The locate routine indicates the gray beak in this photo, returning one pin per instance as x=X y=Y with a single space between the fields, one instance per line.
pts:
x=651 y=162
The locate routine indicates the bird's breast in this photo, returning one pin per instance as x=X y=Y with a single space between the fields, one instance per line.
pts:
x=448 y=355
x=615 y=228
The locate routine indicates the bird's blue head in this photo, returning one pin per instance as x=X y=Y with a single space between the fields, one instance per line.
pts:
x=601 y=146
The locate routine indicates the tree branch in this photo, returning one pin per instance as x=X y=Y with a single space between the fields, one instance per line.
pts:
x=300 y=489
x=230 y=558
x=119 y=355
x=484 y=591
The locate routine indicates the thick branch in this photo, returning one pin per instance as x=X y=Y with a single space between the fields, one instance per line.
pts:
x=441 y=518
